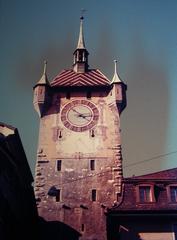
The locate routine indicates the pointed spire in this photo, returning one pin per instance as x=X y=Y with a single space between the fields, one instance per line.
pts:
x=80 y=64
x=44 y=79
x=81 y=43
x=115 y=78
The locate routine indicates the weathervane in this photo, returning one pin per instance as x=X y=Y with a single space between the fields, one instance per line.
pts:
x=82 y=13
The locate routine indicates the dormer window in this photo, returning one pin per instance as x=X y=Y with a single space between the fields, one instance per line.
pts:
x=172 y=193
x=145 y=193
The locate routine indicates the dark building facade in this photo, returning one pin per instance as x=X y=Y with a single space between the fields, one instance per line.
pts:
x=18 y=212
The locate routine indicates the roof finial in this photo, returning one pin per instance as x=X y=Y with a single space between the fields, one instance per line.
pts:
x=81 y=43
x=116 y=78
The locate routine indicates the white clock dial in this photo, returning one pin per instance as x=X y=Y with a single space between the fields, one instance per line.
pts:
x=79 y=115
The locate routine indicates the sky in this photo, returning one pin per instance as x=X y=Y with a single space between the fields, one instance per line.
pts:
x=140 y=34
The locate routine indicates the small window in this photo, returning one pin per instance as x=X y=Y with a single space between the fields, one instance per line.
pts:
x=58 y=165
x=93 y=195
x=40 y=90
x=92 y=165
x=145 y=194
x=117 y=196
x=58 y=197
x=89 y=95
x=82 y=227
x=173 y=194
x=68 y=96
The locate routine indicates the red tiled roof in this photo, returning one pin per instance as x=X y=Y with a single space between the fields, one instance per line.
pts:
x=92 y=77
x=161 y=180
x=161 y=175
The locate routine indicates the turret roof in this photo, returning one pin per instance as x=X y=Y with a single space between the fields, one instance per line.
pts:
x=116 y=78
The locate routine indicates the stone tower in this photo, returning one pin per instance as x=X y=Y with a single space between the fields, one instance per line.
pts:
x=79 y=160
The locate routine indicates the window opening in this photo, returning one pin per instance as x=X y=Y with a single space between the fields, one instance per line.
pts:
x=93 y=195
x=82 y=227
x=59 y=165
x=92 y=165
x=145 y=194
x=89 y=95
x=173 y=193
x=68 y=96
x=58 y=197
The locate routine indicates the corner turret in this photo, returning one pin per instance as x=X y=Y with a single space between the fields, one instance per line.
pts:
x=41 y=93
x=119 y=90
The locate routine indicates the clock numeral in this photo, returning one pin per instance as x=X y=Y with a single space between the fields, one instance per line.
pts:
x=84 y=102
x=76 y=102
x=73 y=128
x=95 y=117
x=95 y=110
x=63 y=118
x=67 y=124
x=84 y=128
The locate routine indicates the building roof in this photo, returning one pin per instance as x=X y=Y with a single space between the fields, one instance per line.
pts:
x=92 y=77
x=160 y=182
x=161 y=175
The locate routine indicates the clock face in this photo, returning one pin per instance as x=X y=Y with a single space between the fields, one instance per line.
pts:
x=79 y=115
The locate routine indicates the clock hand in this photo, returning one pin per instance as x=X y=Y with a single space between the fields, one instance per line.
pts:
x=81 y=114
x=75 y=111
x=85 y=117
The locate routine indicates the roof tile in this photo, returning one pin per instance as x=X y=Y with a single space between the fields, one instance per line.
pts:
x=92 y=77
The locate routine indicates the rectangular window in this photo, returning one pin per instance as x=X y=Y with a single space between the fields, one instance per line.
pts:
x=58 y=197
x=145 y=194
x=173 y=193
x=92 y=165
x=58 y=165
x=93 y=195
x=82 y=227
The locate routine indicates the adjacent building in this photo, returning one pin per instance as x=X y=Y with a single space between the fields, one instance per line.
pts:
x=18 y=212
x=148 y=210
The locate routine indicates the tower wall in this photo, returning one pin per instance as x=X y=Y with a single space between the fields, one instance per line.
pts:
x=79 y=173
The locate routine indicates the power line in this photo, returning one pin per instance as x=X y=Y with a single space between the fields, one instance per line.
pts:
x=110 y=170
x=149 y=159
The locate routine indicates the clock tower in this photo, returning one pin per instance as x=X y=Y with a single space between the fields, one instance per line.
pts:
x=79 y=161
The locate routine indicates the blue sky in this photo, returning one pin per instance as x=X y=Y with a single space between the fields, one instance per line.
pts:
x=140 y=34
